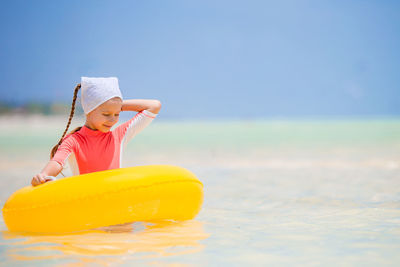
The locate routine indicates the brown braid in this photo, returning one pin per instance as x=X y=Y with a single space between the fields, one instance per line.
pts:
x=54 y=149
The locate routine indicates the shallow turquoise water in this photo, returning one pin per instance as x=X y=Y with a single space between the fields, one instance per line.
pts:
x=276 y=193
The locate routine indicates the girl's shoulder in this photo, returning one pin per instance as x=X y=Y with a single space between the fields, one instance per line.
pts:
x=72 y=135
x=68 y=138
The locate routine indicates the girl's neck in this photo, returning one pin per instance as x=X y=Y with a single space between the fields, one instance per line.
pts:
x=88 y=126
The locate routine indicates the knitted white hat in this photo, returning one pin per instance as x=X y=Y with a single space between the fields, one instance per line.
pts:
x=96 y=91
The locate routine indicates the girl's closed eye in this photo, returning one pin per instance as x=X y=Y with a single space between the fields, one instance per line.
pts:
x=107 y=114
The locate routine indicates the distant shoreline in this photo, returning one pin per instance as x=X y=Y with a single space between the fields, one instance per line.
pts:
x=46 y=119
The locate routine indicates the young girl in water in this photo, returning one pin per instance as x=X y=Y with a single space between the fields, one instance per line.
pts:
x=94 y=146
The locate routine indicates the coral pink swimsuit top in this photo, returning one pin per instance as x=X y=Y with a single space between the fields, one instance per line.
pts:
x=91 y=151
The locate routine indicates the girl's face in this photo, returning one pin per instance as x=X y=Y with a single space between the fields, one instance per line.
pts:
x=104 y=116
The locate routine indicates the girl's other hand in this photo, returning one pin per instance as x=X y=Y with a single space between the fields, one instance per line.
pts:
x=39 y=179
x=50 y=171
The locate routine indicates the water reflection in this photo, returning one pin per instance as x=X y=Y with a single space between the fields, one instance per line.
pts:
x=128 y=241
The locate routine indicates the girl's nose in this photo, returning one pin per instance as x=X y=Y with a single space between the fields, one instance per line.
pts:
x=112 y=119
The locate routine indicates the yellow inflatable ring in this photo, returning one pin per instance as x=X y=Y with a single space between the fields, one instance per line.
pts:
x=144 y=193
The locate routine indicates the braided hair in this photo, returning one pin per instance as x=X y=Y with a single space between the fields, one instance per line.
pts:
x=55 y=148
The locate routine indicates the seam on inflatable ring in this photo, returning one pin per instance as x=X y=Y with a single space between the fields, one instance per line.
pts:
x=102 y=194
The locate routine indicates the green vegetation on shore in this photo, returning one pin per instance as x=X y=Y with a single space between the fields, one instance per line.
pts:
x=35 y=107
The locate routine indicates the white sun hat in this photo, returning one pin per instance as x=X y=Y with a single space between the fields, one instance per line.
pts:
x=96 y=91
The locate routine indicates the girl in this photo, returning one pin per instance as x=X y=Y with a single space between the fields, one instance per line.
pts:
x=94 y=147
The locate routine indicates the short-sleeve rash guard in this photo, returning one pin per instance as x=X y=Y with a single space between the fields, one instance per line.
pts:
x=93 y=150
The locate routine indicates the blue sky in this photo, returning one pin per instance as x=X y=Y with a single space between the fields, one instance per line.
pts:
x=229 y=59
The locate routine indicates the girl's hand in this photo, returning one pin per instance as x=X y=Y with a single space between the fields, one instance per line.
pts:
x=51 y=170
x=39 y=179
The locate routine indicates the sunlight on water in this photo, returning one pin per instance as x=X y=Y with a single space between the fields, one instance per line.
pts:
x=276 y=193
x=138 y=241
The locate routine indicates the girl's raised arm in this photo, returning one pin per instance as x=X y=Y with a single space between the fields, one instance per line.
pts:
x=138 y=105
